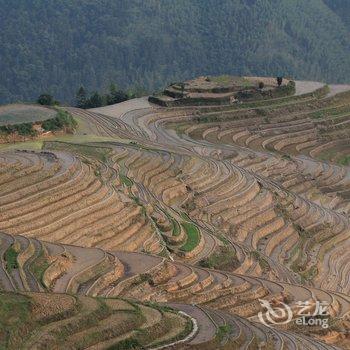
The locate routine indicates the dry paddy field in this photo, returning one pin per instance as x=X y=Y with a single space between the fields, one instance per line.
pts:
x=181 y=226
x=23 y=113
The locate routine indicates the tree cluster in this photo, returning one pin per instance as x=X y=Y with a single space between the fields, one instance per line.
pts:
x=62 y=120
x=115 y=95
x=23 y=129
x=47 y=100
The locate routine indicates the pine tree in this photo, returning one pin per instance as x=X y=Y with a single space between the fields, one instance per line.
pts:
x=116 y=95
x=95 y=100
x=81 y=98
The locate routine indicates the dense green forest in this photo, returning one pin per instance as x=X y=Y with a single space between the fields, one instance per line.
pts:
x=55 y=46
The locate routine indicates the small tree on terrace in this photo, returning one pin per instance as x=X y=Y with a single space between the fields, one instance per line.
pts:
x=116 y=95
x=95 y=101
x=279 y=81
x=81 y=98
x=46 y=100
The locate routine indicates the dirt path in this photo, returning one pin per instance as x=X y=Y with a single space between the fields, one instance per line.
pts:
x=336 y=89
x=304 y=87
x=206 y=327
x=117 y=110
x=136 y=263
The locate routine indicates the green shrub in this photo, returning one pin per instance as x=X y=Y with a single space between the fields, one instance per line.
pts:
x=224 y=259
x=47 y=100
x=24 y=129
x=223 y=331
x=62 y=120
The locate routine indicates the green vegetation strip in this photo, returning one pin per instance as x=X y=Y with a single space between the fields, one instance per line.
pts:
x=62 y=120
x=91 y=151
x=331 y=112
x=176 y=227
x=125 y=180
x=193 y=236
x=39 y=265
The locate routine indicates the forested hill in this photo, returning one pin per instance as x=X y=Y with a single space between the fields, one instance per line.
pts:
x=56 y=45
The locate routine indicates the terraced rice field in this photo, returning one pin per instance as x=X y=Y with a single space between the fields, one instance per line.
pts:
x=22 y=113
x=171 y=235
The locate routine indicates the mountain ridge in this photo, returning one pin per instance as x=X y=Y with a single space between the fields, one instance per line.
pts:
x=55 y=47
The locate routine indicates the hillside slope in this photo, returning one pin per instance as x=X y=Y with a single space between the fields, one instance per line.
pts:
x=56 y=46
x=227 y=198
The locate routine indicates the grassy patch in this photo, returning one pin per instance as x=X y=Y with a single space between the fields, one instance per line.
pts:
x=39 y=265
x=344 y=160
x=125 y=180
x=185 y=216
x=100 y=153
x=67 y=138
x=222 y=79
x=224 y=259
x=11 y=255
x=33 y=145
x=14 y=319
x=193 y=236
